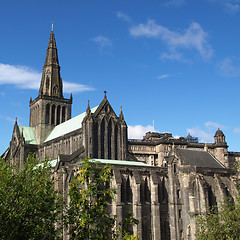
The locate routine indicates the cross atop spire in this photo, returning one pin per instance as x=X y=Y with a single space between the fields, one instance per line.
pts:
x=52 y=26
x=105 y=94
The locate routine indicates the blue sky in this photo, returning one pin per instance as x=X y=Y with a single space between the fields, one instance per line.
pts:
x=173 y=65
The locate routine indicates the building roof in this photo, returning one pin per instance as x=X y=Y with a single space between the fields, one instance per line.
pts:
x=68 y=126
x=218 y=133
x=28 y=134
x=198 y=158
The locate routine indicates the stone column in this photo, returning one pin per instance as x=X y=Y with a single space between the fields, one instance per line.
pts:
x=155 y=207
x=55 y=122
x=173 y=219
x=137 y=206
x=60 y=117
x=117 y=204
x=66 y=197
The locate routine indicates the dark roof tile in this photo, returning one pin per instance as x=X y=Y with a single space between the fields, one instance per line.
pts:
x=197 y=158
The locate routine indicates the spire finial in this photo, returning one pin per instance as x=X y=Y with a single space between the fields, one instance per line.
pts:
x=121 y=114
x=88 y=111
x=52 y=26
x=105 y=92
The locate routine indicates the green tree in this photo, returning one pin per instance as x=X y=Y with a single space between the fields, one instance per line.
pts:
x=29 y=206
x=221 y=225
x=90 y=195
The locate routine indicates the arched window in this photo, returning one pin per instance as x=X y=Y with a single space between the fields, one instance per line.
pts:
x=110 y=139
x=128 y=190
x=55 y=90
x=53 y=114
x=162 y=191
x=63 y=114
x=102 y=138
x=212 y=203
x=146 y=191
x=164 y=194
x=58 y=114
x=96 y=140
x=47 y=113
x=142 y=197
x=47 y=84
x=123 y=191
x=116 y=141
x=228 y=195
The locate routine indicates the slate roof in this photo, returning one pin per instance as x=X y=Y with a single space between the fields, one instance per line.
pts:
x=197 y=158
x=68 y=126
x=28 y=134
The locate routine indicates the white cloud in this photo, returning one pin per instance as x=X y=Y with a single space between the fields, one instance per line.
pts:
x=230 y=6
x=193 y=37
x=206 y=134
x=104 y=44
x=201 y=134
x=26 y=78
x=20 y=76
x=75 y=87
x=228 y=68
x=214 y=125
x=123 y=17
x=163 y=76
x=138 y=131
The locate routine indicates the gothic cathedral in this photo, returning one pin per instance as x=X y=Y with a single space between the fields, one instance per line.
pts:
x=165 y=181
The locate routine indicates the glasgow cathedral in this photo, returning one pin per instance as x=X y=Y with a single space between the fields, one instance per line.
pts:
x=164 y=181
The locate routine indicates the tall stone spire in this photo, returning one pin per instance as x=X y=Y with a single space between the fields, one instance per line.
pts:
x=51 y=83
x=50 y=108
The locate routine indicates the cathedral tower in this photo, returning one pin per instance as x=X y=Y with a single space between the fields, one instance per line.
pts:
x=220 y=148
x=50 y=108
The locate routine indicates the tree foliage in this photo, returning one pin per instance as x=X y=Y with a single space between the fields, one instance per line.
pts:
x=29 y=205
x=221 y=225
x=90 y=195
